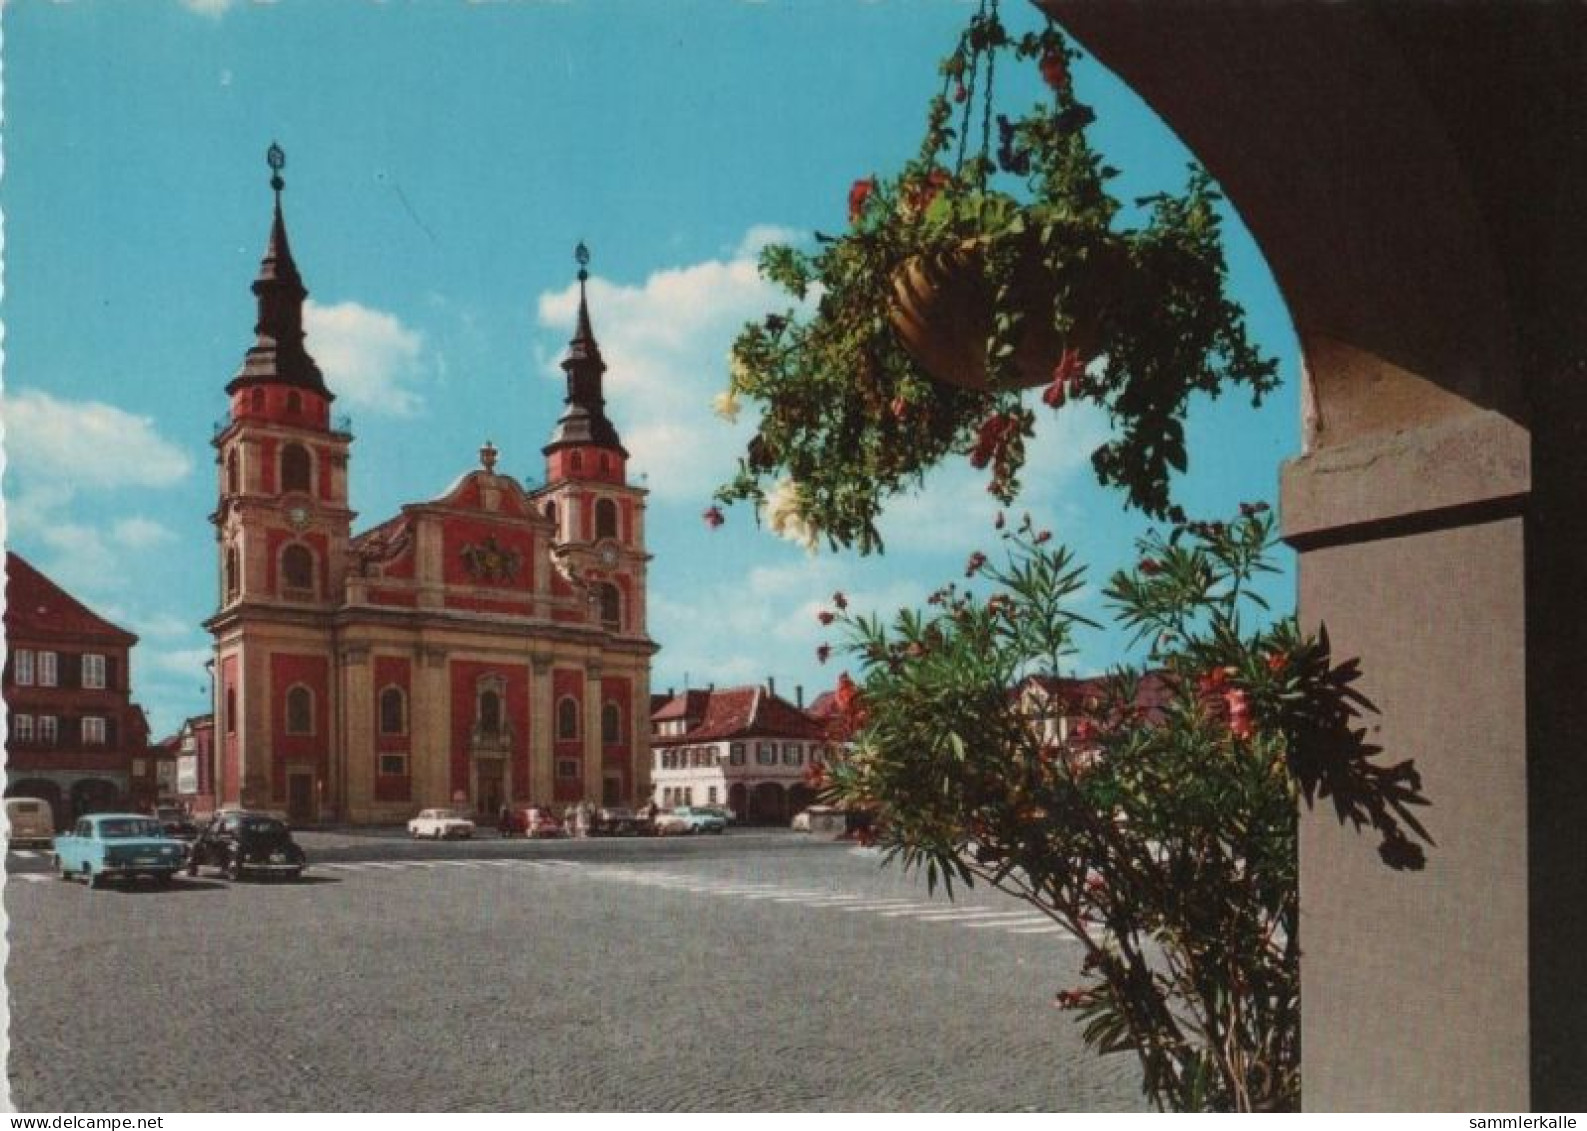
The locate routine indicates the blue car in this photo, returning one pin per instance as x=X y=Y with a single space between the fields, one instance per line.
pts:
x=118 y=846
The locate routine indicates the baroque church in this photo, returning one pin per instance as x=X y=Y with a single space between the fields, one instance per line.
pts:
x=483 y=648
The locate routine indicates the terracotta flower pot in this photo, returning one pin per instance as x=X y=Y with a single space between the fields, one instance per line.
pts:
x=942 y=314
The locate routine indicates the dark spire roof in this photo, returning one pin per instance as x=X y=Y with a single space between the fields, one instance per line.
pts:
x=277 y=356
x=584 y=420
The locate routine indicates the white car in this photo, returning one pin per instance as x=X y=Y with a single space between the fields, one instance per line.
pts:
x=441 y=824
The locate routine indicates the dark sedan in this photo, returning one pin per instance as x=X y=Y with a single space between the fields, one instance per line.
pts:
x=242 y=843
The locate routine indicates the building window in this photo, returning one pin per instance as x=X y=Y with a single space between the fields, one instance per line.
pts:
x=232 y=479
x=93 y=730
x=49 y=730
x=605 y=518
x=300 y=710
x=297 y=568
x=578 y=461
x=296 y=468
x=791 y=755
x=393 y=712
x=490 y=712
x=22 y=668
x=816 y=756
x=22 y=728
x=611 y=724
x=710 y=795
x=567 y=768
x=294 y=402
x=233 y=577
x=393 y=765
x=551 y=511
x=231 y=710
x=93 y=671
x=766 y=753
x=47 y=673
x=611 y=606
x=568 y=718
x=736 y=756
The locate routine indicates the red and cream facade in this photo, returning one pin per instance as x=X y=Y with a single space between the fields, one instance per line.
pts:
x=482 y=648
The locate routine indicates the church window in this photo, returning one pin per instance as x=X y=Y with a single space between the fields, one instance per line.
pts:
x=611 y=724
x=393 y=711
x=300 y=710
x=295 y=468
x=232 y=477
x=567 y=768
x=568 y=718
x=551 y=511
x=233 y=576
x=605 y=518
x=297 y=567
x=393 y=765
x=294 y=402
x=578 y=461
x=490 y=712
x=231 y=710
x=611 y=606
x=256 y=400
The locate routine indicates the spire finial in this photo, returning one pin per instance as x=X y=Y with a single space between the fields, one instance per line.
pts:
x=487 y=457
x=582 y=254
x=277 y=158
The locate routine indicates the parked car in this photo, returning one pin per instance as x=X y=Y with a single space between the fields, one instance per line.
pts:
x=441 y=824
x=727 y=815
x=618 y=822
x=175 y=821
x=239 y=842
x=117 y=846
x=688 y=820
x=539 y=822
x=29 y=821
x=819 y=819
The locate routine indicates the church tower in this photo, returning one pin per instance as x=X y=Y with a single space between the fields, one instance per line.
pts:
x=282 y=524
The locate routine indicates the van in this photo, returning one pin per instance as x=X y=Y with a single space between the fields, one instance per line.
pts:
x=29 y=821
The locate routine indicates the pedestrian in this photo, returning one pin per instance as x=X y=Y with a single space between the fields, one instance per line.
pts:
x=504 y=820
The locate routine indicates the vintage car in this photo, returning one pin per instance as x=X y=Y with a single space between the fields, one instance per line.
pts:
x=240 y=842
x=29 y=820
x=819 y=819
x=441 y=824
x=175 y=821
x=687 y=820
x=117 y=846
x=618 y=822
x=538 y=822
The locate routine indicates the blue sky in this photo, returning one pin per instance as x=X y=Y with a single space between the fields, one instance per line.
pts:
x=442 y=161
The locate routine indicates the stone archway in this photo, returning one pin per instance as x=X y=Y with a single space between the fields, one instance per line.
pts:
x=1412 y=175
x=94 y=795
x=767 y=804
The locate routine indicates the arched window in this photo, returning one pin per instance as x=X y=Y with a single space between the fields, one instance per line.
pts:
x=568 y=717
x=605 y=518
x=606 y=463
x=611 y=606
x=233 y=575
x=231 y=710
x=297 y=567
x=393 y=711
x=294 y=402
x=256 y=400
x=551 y=511
x=611 y=724
x=490 y=712
x=296 y=471
x=233 y=480
x=300 y=710
x=578 y=460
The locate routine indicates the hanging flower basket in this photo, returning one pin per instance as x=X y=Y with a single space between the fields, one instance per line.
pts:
x=943 y=310
x=972 y=275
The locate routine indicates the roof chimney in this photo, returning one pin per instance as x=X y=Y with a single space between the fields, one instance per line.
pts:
x=771 y=686
x=799 y=696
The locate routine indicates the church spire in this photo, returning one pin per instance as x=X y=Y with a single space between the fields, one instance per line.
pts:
x=583 y=421
x=277 y=356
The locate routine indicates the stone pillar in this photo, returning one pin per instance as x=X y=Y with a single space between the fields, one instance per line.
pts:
x=430 y=726
x=542 y=715
x=643 y=758
x=594 y=771
x=356 y=753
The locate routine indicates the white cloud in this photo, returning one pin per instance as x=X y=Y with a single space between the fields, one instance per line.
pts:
x=138 y=533
x=369 y=357
x=666 y=343
x=88 y=444
x=212 y=8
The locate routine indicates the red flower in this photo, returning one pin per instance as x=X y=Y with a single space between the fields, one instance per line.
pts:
x=825 y=617
x=713 y=517
x=823 y=653
x=1239 y=706
x=1084 y=731
x=1277 y=662
x=1042 y=536
x=1249 y=509
x=991 y=438
x=959 y=92
x=1055 y=68
x=1214 y=681
x=859 y=193
x=900 y=408
x=816 y=775
x=973 y=566
x=840 y=600
x=1065 y=378
x=1151 y=567
x=1070 y=999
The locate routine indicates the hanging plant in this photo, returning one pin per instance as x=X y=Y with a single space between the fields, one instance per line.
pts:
x=979 y=271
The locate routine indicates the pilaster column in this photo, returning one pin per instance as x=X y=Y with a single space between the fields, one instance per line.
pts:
x=430 y=724
x=594 y=771
x=542 y=765
x=357 y=753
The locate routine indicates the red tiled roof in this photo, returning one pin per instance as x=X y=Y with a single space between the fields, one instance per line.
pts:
x=689 y=705
x=1070 y=693
x=735 y=711
x=36 y=606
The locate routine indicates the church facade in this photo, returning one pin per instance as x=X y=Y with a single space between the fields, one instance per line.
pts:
x=483 y=648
